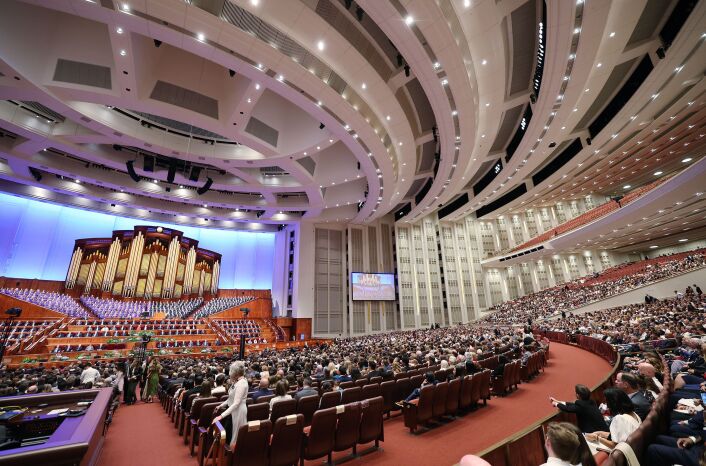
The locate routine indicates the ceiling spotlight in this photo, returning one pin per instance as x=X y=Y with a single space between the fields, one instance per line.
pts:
x=484 y=62
x=409 y=20
x=612 y=34
x=686 y=160
x=123 y=53
x=627 y=186
x=119 y=30
x=657 y=173
x=322 y=126
x=254 y=2
x=320 y=45
x=200 y=36
x=684 y=240
x=280 y=78
x=406 y=70
x=126 y=7
x=364 y=86
x=78 y=181
x=257 y=86
x=231 y=73
x=359 y=13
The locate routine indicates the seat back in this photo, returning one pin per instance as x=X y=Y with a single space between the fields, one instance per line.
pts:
x=403 y=388
x=206 y=415
x=452 y=397
x=253 y=439
x=348 y=384
x=416 y=380
x=330 y=399
x=259 y=412
x=371 y=391
x=283 y=408
x=189 y=402
x=197 y=405
x=306 y=406
x=265 y=399
x=347 y=427
x=361 y=382
x=464 y=400
x=377 y=379
x=387 y=389
x=321 y=435
x=371 y=427
x=439 y=408
x=349 y=395
x=425 y=404
x=285 y=446
x=484 y=382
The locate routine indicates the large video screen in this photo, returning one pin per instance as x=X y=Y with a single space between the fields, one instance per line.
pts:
x=373 y=286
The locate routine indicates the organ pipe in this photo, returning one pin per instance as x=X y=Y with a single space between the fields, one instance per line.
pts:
x=111 y=265
x=170 y=269
x=74 y=267
x=89 y=279
x=215 y=276
x=151 y=274
x=189 y=270
x=133 y=265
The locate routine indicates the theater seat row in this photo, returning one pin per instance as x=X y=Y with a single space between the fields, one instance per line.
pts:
x=446 y=399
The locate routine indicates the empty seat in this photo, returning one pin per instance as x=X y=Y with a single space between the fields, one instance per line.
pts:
x=319 y=437
x=330 y=399
x=194 y=415
x=199 y=437
x=349 y=395
x=403 y=388
x=259 y=412
x=283 y=408
x=371 y=391
x=387 y=389
x=306 y=406
x=421 y=411
x=347 y=427
x=371 y=425
x=252 y=443
x=452 y=397
x=440 y=393
x=285 y=446
x=465 y=399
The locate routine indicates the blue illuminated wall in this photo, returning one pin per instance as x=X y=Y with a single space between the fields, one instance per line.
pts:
x=37 y=239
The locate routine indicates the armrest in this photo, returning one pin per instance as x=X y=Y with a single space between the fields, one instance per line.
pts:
x=193 y=422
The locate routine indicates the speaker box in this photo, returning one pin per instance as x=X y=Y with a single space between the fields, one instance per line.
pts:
x=131 y=170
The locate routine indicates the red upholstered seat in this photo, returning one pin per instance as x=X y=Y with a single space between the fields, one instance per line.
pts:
x=347 y=428
x=439 y=407
x=199 y=437
x=387 y=389
x=330 y=399
x=420 y=412
x=251 y=447
x=259 y=412
x=371 y=390
x=452 y=397
x=283 y=408
x=306 y=406
x=194 y=414
x=349 y=395
x=286 y=441
x=371 y=425
x=319 y=438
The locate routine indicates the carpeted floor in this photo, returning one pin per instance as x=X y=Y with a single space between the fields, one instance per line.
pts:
x=142 y=435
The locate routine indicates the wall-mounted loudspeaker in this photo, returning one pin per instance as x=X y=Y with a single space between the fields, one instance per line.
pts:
x=130 y=164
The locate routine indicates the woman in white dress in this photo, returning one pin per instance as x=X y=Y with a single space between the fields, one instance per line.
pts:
x=236 y=405
x=624 y=421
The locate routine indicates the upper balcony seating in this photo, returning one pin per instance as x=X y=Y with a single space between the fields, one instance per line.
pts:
x=49 y=299
x=221 y=304
x=108 y=308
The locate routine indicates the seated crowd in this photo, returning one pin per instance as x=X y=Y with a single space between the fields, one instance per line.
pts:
x=49 y=299
x=221 y=304
x=107 y=308
x=579 y=292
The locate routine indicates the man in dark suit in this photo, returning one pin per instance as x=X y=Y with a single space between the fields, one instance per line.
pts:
x=263 y=389
x=306 y=390
x=627 y=382
x=588 y=416
x=198 y=380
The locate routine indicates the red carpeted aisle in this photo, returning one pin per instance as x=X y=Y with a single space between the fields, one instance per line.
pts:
x=142 y=435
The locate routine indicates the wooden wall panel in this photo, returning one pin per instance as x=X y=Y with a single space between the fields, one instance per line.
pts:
x=32 y=283
x=230 y=293
x=302 y=325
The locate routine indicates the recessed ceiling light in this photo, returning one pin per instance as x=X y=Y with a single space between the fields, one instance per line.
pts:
x=126 y=7
x=654 y=246
x=387 y=117
x=320 y=45
x=686 y=160
x=254 y=2
x=123 y=53
x=627 y=186
x=657 y=173
x=484 y=62
x=454 y=113
x=155 y=181
x=280 y=78
x=78 y=181
x=599 y=65
x=364 y=86
x=466 y=3
x=257 y=86
x=409 y=20
x=200 y=36
x=577 y=30
x=684 y=240
x=612 y=34
x=119 y=30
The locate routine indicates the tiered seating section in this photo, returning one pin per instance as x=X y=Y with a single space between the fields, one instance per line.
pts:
x=112 y=308
x=51 y=300
x=593 y=214
x=25 y=329
x=221 y=304
x=235 y=328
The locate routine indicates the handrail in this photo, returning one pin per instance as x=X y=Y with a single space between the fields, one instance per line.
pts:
x=505 y=443
x=216 y=452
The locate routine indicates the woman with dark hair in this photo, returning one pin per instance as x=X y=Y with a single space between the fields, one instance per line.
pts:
x=625 y=421
x=205 y=389
x=280 y=393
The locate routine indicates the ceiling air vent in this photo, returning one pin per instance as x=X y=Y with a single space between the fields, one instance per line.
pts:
x=115 y=133
x=85 y=74
x=263 y=131
x=85 y=119
x=185 y=98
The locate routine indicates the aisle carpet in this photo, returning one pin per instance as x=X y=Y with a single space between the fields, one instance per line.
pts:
x=142 y=434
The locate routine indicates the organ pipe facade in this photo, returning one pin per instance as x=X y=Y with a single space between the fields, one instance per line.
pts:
x=146 y=262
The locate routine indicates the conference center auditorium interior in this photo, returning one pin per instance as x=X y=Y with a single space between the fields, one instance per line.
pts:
x=362 y=232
